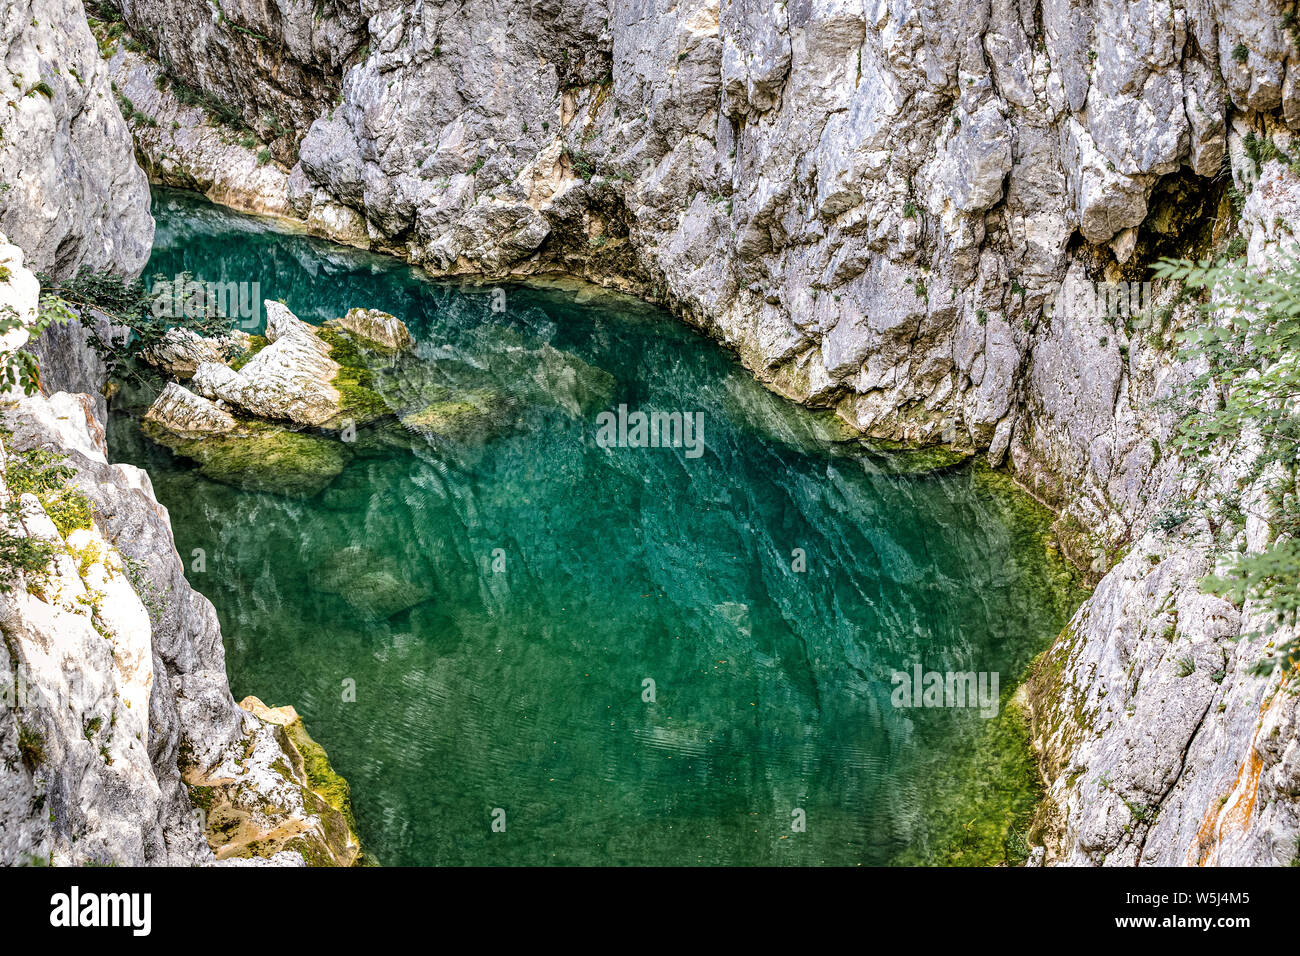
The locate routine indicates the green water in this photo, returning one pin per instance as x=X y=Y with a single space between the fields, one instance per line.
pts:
x=482 y=685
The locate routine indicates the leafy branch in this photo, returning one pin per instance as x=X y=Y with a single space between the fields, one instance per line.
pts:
x=1248 y=350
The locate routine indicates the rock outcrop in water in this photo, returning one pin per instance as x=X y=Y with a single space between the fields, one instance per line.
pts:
x=285 y=412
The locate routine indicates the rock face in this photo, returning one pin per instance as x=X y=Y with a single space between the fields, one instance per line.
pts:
x=114 y=707
x=870 y=203
x=185 y=145
x=289 y=380
x=376 y=327
x=296 y=49
x=182 y=351
x=71 y=193
x=1160 y=744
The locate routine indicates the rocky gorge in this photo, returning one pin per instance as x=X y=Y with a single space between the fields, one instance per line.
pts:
x=870 y=203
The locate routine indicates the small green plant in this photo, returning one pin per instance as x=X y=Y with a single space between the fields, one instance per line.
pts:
x=46 y=475
x=583 y=164
x=218 y=110
x=31 y=746
x=1241 y=53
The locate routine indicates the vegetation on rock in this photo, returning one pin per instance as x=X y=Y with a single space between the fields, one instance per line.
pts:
x=1247 y=391
x=46 y=475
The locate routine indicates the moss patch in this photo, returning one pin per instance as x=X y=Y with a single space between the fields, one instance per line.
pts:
x=255 y=344
x=904 y=459
x=261 y=458
x=355 y=381
x=455 y=419
x=321 y=776
x=983 y=804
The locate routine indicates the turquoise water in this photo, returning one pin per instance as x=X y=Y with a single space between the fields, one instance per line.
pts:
x=499 y=599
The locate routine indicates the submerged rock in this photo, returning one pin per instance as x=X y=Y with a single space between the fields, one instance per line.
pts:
x=575 y=385
x=259 y=457
x=465 y=416
x=373 y=584
x=243 y=418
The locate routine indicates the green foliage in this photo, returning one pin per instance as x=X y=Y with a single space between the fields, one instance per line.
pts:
x=222 y=113
x=104 y=290
x=131 y=114
x=583 y=163
x=20 y=367
x=31 y=746
x=103 y=10
x=20 y=554
x=44 y=474
x=128 y=303
x=1249 y=350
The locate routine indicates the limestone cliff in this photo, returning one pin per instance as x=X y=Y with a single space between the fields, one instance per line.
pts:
x=119 y=739
x=71 y=193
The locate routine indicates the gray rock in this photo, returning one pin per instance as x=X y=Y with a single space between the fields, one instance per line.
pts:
x=289 y=380
x=181 y=351
x=71 y=193
x=181 y=411
x=376 y=327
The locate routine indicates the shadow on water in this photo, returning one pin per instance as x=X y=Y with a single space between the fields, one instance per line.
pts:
x=501 y=598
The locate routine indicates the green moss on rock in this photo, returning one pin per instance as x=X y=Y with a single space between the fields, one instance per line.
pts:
x=983 y=804
x=359 y=401
x=321 y=776
x=904 y=459
x=465 y=416
x=261 y=457
x=255 y=344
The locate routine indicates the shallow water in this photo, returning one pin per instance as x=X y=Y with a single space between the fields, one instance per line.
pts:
x=501 y=598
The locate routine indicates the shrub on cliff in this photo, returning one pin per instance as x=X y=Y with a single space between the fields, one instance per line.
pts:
x=1249 y=348
x=127 y=303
